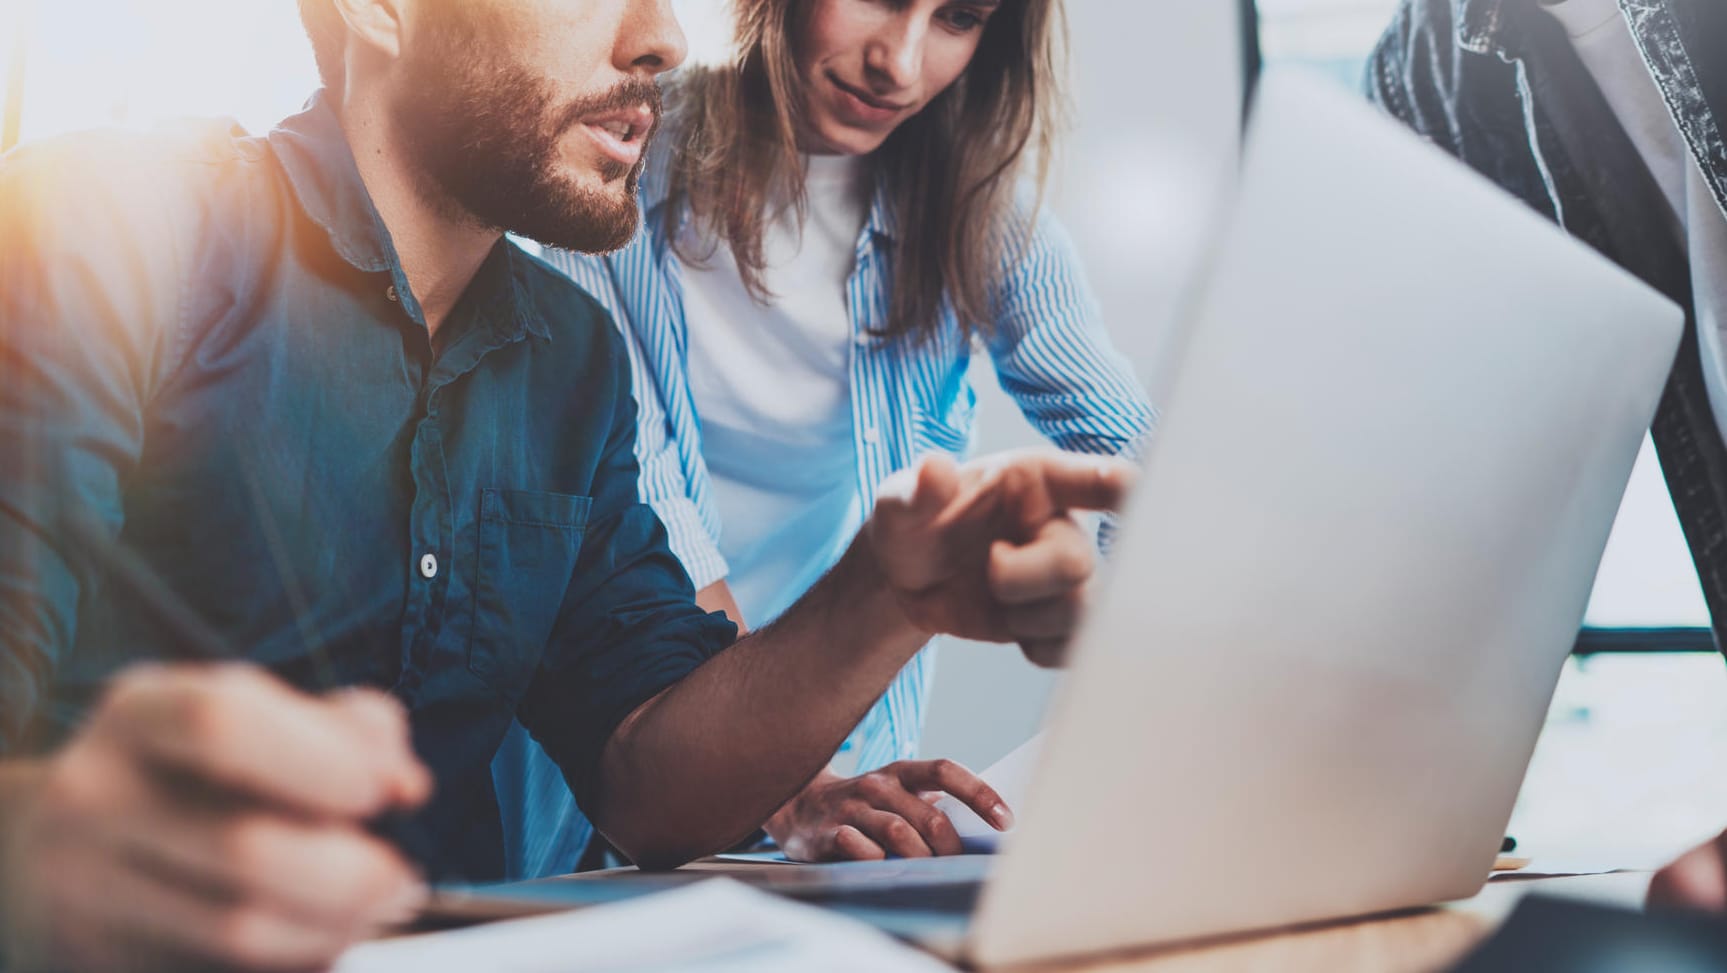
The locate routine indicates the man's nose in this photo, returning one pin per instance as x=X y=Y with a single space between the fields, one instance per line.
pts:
x=650 y=38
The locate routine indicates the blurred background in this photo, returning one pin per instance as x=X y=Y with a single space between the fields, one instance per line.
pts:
x=1637 y=737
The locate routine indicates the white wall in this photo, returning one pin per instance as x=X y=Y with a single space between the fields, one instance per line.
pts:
x=1157 y=94
x=707 y=26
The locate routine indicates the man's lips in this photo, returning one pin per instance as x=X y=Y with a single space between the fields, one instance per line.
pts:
x=869 y=105
x=622 y=132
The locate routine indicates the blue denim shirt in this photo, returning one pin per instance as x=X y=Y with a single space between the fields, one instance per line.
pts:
x=207 y=342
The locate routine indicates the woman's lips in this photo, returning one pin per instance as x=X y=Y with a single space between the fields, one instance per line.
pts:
x=863 y=106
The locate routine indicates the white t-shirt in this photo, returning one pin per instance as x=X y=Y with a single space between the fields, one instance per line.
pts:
x=1603 y=40
x=772 y=386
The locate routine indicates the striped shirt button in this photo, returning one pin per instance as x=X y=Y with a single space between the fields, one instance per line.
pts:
x=872 y=435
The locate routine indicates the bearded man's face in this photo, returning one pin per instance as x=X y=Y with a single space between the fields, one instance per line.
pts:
x=518 y=116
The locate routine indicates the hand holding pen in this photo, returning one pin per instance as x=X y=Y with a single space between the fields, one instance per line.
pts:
x=209 y=815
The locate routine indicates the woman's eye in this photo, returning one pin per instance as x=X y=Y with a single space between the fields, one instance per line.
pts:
x=962 y=21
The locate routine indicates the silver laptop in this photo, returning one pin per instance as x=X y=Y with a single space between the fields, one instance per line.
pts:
x=1406 y=412
x=1360 y=552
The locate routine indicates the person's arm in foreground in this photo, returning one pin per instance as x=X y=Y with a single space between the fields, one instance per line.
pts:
x=989 y=551
x=1697 y=880
x=207 y=816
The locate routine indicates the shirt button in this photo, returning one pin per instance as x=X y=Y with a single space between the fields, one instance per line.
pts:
x=863 y=339
x=429 y=566
x=872 y=435
x=390 y=292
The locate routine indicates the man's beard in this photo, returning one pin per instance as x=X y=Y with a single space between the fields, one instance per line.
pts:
x=483 y=134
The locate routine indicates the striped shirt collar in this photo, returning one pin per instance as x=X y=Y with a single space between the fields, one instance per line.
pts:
x=881 y=227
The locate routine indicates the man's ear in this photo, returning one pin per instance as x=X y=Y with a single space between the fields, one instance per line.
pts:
x=376 y=24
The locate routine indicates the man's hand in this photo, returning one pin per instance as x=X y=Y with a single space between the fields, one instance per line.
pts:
x=208 y=817
x=1697 y=880
x=988 y=551
x=885 y=812
x=991 y=550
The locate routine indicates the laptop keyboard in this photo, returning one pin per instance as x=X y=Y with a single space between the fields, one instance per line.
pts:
x=958 y=898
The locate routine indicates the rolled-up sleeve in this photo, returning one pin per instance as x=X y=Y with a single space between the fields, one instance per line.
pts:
x=629 y=628
x=1052 y=353
x=1055 y=359
x=89 y=289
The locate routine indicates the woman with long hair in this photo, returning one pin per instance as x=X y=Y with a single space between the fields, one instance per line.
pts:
x=833 y=222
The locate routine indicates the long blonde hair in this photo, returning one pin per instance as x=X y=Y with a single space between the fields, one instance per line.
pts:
x=951 y=171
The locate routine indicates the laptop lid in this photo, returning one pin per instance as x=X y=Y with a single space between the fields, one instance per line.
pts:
x=1406 y=410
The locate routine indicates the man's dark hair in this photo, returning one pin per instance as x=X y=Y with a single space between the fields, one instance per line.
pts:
x=324 y=26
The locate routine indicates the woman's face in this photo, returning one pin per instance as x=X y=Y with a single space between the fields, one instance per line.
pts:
x=868 y=65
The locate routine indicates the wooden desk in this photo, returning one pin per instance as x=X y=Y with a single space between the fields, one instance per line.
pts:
x=1433 y=939
x=1429 y=939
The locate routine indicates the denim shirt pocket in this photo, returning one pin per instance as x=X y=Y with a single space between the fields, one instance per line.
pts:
x=528 y=544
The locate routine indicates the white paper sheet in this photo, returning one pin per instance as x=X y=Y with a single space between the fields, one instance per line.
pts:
x=1561 y=867
x=719 y=926
x=1011 y=778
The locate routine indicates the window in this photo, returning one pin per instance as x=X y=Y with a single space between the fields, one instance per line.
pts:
x=137 y=63
x=1647 y=588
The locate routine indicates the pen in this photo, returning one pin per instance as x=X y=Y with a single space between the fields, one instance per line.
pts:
x=196 y=640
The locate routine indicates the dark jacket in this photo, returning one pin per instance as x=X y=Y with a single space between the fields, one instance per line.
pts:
x=1498 y=84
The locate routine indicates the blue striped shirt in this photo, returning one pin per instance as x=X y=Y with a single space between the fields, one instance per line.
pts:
x=909 y=398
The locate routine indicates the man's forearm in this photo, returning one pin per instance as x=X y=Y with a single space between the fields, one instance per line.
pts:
x=710 y=759
x=20 y=780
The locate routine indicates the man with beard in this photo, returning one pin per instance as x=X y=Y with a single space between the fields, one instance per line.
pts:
x=307 y=380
